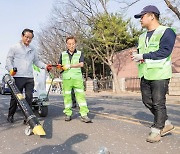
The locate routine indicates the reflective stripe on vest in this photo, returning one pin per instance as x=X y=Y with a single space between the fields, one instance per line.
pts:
x=157 y=63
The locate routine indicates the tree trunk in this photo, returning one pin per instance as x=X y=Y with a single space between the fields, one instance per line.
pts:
x=115 y=80
x=86 y=71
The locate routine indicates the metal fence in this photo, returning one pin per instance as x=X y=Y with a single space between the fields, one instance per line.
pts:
x=105 y=84
x=132 y=84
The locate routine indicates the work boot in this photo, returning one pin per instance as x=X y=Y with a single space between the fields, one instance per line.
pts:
x=154 y=135
x=85 y=119
x=167 y=129
x=67 y=118
x=10 y=119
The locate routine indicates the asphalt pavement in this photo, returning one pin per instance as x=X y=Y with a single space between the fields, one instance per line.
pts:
x=120 y=125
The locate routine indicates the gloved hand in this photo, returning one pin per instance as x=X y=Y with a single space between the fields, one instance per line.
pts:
x=59 y=67
x=137 y=57
x=48 y=67
x=13 y=71
x=66 y=67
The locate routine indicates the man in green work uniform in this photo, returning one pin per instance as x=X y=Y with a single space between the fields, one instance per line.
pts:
x=154 y=68
x=71 y=61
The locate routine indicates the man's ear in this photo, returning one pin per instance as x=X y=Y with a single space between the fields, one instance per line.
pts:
x=152 y=15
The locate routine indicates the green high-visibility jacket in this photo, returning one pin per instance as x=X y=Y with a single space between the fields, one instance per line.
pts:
x=72 y=73
x=154 y=69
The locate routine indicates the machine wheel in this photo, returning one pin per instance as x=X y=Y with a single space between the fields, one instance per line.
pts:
x=28 y=131
x=43 y=111
x=36 y=107
x=35 y=104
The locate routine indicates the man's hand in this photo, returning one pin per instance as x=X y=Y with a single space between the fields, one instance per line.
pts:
x=137 y=57
x=13 y=71
x=66 y=67
x=59 y=67
x=48 y=67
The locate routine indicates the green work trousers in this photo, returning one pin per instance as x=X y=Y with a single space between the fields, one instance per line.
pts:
x=78 y=87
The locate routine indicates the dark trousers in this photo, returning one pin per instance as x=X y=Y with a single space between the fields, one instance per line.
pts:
x=154 y=98
x=73 y=98
x=22 y=83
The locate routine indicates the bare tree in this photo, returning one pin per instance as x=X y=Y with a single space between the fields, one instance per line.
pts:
x=50 y=43
x=84 y=15
x=80 y=18
x=174 y=5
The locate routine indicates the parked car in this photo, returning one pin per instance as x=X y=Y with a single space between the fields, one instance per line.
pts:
x=4 y=87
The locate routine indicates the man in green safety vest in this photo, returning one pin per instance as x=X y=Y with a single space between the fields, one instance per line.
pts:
x=71 y=61
x=154 y=68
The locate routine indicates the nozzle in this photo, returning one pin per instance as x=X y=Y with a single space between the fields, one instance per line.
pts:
x=38 y=130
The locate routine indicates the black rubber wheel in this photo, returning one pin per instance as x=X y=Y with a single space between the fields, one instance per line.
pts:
x=36 y=107
x=43 y=112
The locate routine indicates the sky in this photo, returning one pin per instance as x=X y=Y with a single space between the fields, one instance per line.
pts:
x=15 y=15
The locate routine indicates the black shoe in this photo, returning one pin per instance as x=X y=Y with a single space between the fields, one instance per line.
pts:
x=10 y=119
x=67 y=118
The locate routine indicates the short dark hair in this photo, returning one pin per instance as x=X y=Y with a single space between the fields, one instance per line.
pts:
x=71 y=37
x=27 y=30
x=156 y=16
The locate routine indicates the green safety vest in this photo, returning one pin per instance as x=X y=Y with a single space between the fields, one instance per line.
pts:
x=154 y=69
x=72 y=73
x=36 y=68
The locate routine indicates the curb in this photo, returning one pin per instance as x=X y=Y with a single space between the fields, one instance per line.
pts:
x=170 y=99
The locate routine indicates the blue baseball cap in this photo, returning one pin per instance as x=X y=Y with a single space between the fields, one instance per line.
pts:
x=148 y=9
